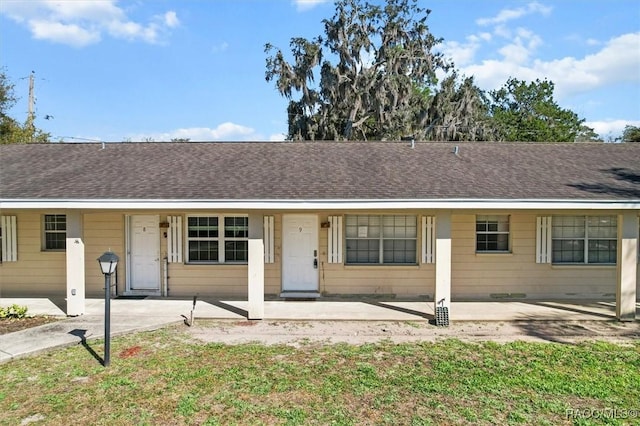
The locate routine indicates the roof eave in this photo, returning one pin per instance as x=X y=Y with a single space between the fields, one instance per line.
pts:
x=320 y=204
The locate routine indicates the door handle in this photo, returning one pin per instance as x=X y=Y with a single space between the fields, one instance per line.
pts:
x=315 y=263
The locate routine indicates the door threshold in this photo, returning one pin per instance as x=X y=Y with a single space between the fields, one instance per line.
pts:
x=141 y=293
x=300 y=295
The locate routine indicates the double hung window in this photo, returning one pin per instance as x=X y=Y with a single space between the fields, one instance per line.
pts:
x=55 y=232
x=377 y=239
x=584 y=239
x=218 y=239
x=492 y=233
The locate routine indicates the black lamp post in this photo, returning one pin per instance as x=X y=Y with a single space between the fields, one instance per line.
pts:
x=108 y=263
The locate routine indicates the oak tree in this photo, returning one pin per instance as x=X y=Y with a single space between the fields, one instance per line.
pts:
x=370 y=76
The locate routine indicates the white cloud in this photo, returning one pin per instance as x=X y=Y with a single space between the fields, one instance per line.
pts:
x=461 y=53
x=171 y=19
x=514 y=53
x=502 y=31
x=224 y=132
x=82 y=22
x=125 y=29
x=82 y=10
x=611 y=64
x=522 y=47
x=277 y=137
x=303 y=5
x=611 y=128
x=507 y=15
x=70 y=34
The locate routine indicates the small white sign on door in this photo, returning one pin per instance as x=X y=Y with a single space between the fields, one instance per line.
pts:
x=362 y=231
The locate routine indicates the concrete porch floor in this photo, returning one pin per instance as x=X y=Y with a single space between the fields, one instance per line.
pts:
x=133 y=315
x=334 y=309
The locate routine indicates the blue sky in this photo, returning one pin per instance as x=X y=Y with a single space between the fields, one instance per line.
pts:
x=128 y=70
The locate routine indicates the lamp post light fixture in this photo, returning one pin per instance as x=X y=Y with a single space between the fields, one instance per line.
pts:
x=108 y=263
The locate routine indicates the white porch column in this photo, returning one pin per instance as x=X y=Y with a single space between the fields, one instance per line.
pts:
x=255 y=268
x=442 y=295
x=627 y=266
x=75 y=265
x=256 y=279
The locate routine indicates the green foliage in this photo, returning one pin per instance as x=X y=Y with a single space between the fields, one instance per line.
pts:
x=527 y=113
x=11 y=131
x=631 y=134
x=459 y=111
x=380 y=86
x=13 y=311
x=7 y=95
x=587 y=134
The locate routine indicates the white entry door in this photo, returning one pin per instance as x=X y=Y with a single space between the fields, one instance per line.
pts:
x=300 y=253
x=144 y=254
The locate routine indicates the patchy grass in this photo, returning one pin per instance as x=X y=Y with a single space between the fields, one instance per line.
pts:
x=163 y=377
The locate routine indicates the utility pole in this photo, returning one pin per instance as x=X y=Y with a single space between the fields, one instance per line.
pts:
x=31 y=117
x=31 y=96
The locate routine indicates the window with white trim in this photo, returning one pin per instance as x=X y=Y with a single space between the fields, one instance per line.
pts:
x=374 y=239
x=492 y=233
x=584 y=239
x=217 y=239
x=55 y=232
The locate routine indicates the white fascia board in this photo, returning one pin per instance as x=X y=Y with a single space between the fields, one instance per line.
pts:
x=427 y=204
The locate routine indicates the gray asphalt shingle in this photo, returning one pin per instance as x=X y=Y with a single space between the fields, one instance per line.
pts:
x=320 y=171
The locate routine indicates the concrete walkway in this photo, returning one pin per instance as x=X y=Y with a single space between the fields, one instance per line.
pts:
x=130 y=315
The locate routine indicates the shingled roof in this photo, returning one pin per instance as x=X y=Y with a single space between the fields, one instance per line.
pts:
x=320 y=171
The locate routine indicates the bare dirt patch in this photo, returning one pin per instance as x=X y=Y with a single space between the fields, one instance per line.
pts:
x=10 y=325
x=298 y=333
x=130 y=352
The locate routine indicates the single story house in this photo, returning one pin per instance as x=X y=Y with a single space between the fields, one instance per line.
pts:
x=439 y=221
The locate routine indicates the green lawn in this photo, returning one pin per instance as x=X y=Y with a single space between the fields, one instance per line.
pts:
x=163 y=377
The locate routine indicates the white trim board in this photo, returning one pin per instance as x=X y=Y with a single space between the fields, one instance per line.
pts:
x=435 y=204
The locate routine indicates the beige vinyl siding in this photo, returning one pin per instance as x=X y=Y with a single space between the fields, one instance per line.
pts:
x=474 y=275
x=218 y=280
x=400 y=280
x=37 y=272
x=515 y=274
x=377 y=280
x=272 y=271
x=103 y=232
x=107 y=230
x=186 y=280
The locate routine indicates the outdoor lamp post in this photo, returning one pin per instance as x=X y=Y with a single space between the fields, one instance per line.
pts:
x=108 y=263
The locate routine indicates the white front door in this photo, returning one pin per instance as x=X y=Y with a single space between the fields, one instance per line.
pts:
x=144 y=254
x=300 y=253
